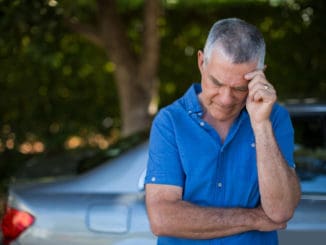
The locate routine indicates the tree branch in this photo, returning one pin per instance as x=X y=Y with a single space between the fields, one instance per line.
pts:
x=87 y=32
x=114 y=34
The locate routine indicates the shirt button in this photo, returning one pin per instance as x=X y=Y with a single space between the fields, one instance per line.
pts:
x=189 y=112
x=219 y=184
x=202 y=124
x=253 y=145
x=153 y=179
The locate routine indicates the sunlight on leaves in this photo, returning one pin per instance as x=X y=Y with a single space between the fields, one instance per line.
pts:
x=109 y=67
x=52 y=3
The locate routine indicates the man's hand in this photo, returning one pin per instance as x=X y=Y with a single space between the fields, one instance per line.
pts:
x=261 y=97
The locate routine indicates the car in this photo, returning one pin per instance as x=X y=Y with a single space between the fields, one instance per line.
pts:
x=308 y=225
x=101 y=205
x=104 y=203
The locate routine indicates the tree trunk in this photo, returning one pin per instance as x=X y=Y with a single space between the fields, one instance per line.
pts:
x=136 y=77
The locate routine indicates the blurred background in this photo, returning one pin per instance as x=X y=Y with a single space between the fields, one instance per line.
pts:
x=79 y=75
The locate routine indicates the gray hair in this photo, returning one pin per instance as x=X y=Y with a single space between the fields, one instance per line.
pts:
x=239 y=40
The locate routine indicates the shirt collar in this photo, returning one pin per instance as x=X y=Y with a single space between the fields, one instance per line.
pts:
x=191 y=101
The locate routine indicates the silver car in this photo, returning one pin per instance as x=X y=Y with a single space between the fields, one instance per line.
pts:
x=102 y=206
x=105 y=205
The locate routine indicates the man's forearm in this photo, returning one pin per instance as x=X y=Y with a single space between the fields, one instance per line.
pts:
x=195 y=222
x=183 y=219
x=278 y=183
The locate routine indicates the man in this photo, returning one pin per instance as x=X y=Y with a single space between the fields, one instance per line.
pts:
x=221 y=167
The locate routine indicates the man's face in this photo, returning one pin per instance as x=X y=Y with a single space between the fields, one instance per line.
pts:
x=224 y=88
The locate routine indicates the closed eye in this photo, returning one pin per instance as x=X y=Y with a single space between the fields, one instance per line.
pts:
x=237 y=89
x=241 y=89
x=216 y=82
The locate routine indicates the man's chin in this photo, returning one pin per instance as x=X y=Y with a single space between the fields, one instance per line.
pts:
x=224 y=115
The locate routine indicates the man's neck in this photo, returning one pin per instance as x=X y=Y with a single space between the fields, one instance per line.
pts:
x=221 y=127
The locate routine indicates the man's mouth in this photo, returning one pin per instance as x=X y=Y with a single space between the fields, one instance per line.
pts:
x=222 y=107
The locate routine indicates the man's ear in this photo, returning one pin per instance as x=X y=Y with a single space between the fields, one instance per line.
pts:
x=200 y=61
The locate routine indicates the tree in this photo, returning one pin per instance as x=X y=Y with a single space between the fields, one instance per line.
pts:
x=135 y=74
x=56 y=85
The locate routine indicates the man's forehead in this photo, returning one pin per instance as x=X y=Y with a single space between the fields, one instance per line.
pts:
x=230 y=71
x=238 y=81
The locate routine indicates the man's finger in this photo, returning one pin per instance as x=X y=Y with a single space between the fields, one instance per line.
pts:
x=252 y=74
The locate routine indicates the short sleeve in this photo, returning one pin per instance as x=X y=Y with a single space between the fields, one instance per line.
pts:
x=164 y=164
x=284 y=134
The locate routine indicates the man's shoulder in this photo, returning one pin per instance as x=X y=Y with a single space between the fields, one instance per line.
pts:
x=186 y=102
x=170 y=111
x=279 y=110
x=280 y=116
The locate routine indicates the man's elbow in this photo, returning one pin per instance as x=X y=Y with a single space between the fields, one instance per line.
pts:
x=157 y=219
x=157 y=226
x=282 y=213
x=157 y=230
x=280 y=216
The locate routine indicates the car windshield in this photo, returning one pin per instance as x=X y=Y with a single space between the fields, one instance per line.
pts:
x=310 y=151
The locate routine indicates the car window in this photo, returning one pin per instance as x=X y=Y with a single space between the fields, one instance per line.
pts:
x=310 y=150
x=102 y=156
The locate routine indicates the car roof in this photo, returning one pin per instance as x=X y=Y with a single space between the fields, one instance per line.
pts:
x=303 y=109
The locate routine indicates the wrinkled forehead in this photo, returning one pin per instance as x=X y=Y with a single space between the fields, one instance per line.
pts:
x=221 y=68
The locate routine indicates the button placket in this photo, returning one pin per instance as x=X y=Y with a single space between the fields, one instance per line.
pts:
x=220 y=179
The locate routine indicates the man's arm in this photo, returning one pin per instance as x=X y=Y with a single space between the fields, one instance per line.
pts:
x=278 y=184
x=169 y=215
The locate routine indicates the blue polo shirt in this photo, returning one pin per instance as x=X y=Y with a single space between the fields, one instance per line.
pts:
x=186 y=151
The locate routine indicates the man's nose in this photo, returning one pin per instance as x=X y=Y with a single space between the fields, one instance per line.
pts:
x=226 y=96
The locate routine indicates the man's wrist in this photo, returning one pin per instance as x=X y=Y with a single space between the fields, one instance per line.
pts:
x=260 y=127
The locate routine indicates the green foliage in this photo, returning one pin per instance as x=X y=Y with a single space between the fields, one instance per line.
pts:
x=294 y=33
x=296 y=50
x=55 y=84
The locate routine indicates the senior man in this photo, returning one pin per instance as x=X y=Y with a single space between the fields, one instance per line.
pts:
x=221 y=167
